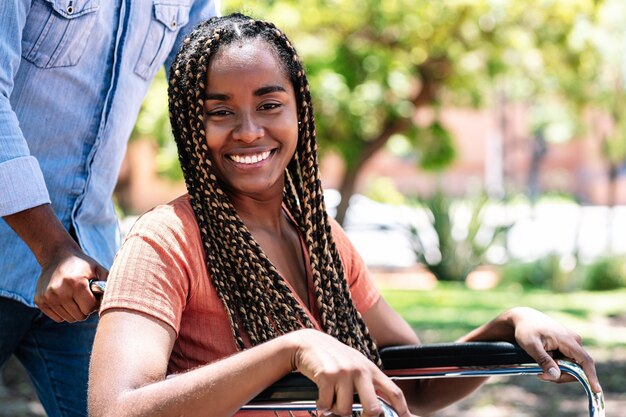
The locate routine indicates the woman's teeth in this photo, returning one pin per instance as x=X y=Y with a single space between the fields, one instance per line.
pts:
x=250 y=159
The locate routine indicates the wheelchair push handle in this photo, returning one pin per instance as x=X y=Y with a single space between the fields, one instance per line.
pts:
x=97 y=287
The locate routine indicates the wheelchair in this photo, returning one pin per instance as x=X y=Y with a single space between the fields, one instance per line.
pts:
x=295 y=392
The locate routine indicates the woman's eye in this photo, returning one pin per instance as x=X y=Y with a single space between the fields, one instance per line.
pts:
x=217 y=113
x=270 y=106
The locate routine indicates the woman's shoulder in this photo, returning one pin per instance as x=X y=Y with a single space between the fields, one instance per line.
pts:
x=165 y=220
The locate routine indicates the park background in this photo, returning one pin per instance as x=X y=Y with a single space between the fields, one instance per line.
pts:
x=475 y=152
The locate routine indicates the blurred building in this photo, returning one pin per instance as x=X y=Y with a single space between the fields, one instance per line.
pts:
x=497 y=152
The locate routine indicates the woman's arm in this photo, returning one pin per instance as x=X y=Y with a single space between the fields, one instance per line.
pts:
x=423 y=396
x=128 y=372
x=131 y=352
x=535 y=332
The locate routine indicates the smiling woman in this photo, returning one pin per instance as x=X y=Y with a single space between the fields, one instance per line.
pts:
x=246 y=278
x=251 y=119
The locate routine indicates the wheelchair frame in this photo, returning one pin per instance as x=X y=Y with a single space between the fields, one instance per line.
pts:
x=475 y=359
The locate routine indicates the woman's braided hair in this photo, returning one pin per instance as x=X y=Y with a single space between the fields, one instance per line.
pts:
x=259 y=303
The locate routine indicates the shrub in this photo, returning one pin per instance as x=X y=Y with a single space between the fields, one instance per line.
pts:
x=544 y=273
x=461 y=246
x=604 y=274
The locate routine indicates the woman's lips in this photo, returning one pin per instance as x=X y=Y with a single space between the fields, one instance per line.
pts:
x=249 y=159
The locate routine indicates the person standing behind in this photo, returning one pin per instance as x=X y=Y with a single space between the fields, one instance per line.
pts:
x=73 y=74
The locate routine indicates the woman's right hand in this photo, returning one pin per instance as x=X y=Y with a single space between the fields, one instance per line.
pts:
x=339 y=371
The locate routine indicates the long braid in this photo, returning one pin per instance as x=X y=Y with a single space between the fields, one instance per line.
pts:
x=259 y=302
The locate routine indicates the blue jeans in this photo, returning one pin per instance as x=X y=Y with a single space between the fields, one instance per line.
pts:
x=55 y=355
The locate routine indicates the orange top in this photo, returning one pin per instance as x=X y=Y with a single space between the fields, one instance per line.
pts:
x=161 y=271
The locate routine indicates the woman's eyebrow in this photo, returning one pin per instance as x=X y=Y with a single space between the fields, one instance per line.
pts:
x=216 y=96
x=269 y=89
x=259 y=92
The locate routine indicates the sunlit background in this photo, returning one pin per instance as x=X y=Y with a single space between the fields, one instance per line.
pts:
x=475 y=152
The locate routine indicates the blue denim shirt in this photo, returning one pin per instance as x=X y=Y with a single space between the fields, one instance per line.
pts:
x=73 y=74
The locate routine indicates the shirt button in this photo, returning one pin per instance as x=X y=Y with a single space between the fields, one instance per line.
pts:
x=174 y=24
x=70 y=9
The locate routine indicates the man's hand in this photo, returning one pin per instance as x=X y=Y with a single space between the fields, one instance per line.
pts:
x=63 y=292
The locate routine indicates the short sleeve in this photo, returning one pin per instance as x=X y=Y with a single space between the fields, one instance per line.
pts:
x=152 y=273
x=362 y=289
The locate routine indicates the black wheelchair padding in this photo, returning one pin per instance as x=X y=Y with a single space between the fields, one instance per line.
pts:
x=293 y=387
x=296 y=387
x=453 y=354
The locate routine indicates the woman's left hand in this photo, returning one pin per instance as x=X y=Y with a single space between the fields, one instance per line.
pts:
x=538 y=335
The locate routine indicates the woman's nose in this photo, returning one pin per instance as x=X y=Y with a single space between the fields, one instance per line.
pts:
x=247 y=130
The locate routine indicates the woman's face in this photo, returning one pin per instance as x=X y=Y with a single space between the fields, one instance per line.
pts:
x=250 y=118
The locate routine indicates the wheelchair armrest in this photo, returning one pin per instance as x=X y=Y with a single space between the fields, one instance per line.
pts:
x=453 y=354
x=292 y=387
x=297 y=387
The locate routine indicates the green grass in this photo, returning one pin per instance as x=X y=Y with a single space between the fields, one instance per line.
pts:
x=451 y=310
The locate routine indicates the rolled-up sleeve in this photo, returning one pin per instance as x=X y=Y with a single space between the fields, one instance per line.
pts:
x=22 y=184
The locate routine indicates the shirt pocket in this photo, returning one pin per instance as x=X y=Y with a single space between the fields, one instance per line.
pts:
x=167 y=20
x=56 y=31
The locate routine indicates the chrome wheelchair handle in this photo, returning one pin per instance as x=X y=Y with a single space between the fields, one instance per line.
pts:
x=388 y=410
x=97 y=287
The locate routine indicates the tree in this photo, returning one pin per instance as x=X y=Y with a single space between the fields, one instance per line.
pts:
x=372 y=65
x=610 y=86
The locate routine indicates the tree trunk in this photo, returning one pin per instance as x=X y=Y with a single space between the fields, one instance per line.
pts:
x=613 y=173
x=346 y=189
x=432 y=72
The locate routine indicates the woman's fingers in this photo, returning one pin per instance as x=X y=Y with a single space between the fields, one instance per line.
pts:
x=394 y=396
x=369 y=387
x=367 y=396
x=339 y=372
x=551 y=371
x=538 y=335
x=344 y=397
x=325 y=397
x=570 y=346
x=582 y=358
x=589 y=367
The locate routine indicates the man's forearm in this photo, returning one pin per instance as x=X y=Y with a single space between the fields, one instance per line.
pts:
x=42 y=231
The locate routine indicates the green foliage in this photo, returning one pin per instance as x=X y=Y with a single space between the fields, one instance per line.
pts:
x=435 y=147
x=461 y=246
x=549 y=273
x=373 y=64
x=546 y=273
x=605 y=274
x=452 y=310
x=383 y=190
x=610 y=83
x=153 y=122
x=563 y=273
